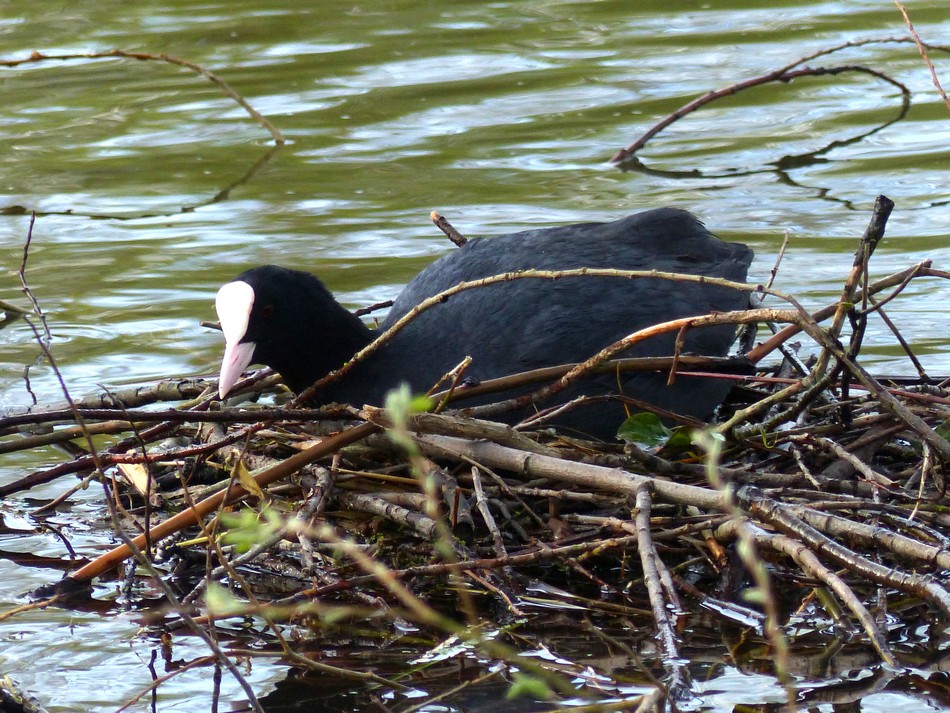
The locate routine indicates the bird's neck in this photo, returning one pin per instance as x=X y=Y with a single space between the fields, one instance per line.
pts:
x=343 y=335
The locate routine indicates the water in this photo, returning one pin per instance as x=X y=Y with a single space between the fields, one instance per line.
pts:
x=500 y=115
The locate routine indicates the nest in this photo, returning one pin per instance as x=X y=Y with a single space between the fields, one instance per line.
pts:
x=815 y=504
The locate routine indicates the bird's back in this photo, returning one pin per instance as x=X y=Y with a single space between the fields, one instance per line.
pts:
x=529 y=323
x=665 y=239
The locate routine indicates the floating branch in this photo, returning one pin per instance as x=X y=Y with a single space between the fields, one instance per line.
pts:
x=783 y=74
x=36 y=57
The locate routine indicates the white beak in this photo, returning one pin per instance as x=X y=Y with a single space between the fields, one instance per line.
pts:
x=237 y=357
x=233 y=304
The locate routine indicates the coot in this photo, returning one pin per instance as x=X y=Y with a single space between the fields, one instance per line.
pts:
x=288 y=320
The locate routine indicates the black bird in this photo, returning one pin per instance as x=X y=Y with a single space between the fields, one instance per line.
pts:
x=288 y=320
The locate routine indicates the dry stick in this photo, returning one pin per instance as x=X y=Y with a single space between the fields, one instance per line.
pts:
x=366 y=502
x=594 y=477
x=189 y=517
x=872 y=236
x=12 y=309
x=177 y=416
x=921 y=372
x=812 y=566
x=618 y=481
x=593 y=363
x=921 y=47
x=768 y=510
x=851 y=459
x=873 y=537
x=445 y=425
x=446 y=227
x=498 y=542
x=774 y=75
x=858 y=276
x=830 y=347
x=177 y=390
x=47 y=338
x=21 y=273
x=884 y=398
x=680 y=684
x=145 y=56
x=63 y=435
x=32 y=606
x=90 y=462
x=921 y=269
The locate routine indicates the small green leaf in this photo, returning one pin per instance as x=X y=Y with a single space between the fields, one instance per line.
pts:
x=753 y=595
x=420 y=404
x=221 y=602
x=247 y=528
x=644 y=430
x=681 y=440
x=530 y=687
x=397 y=402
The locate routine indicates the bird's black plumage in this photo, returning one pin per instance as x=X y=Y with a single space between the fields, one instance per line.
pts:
x=301 y=331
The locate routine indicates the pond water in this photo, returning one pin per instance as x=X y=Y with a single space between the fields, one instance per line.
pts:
x=152 y=188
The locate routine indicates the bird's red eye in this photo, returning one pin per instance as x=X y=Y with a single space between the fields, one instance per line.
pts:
x=267 y=310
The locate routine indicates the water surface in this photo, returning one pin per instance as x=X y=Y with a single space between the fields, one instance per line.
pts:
x=152 y=188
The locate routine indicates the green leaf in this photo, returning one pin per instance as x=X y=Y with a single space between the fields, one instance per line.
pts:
x=753 y=595
x=530 y=687
x=401 y=403
x=644 y=430
x=248 y=528
x=221 y=602
x=681 y=440
x=420 y=404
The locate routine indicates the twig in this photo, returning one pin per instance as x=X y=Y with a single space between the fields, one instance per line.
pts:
x=811 y=565
x=186 y=518
x=680 y=687
x=446 y=227
x=922 y=48
x=782 y=74
x=145 y=56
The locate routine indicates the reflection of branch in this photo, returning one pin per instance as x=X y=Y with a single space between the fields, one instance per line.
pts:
x=216 y=198
x=144 y=56
x=221 y=195
x=782 y=74
x=46 y=339
x=780 y=166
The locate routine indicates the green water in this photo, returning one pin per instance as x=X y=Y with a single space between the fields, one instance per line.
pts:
x=500 y=115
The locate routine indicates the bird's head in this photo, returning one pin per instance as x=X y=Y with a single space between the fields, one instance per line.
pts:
x=287 y=320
